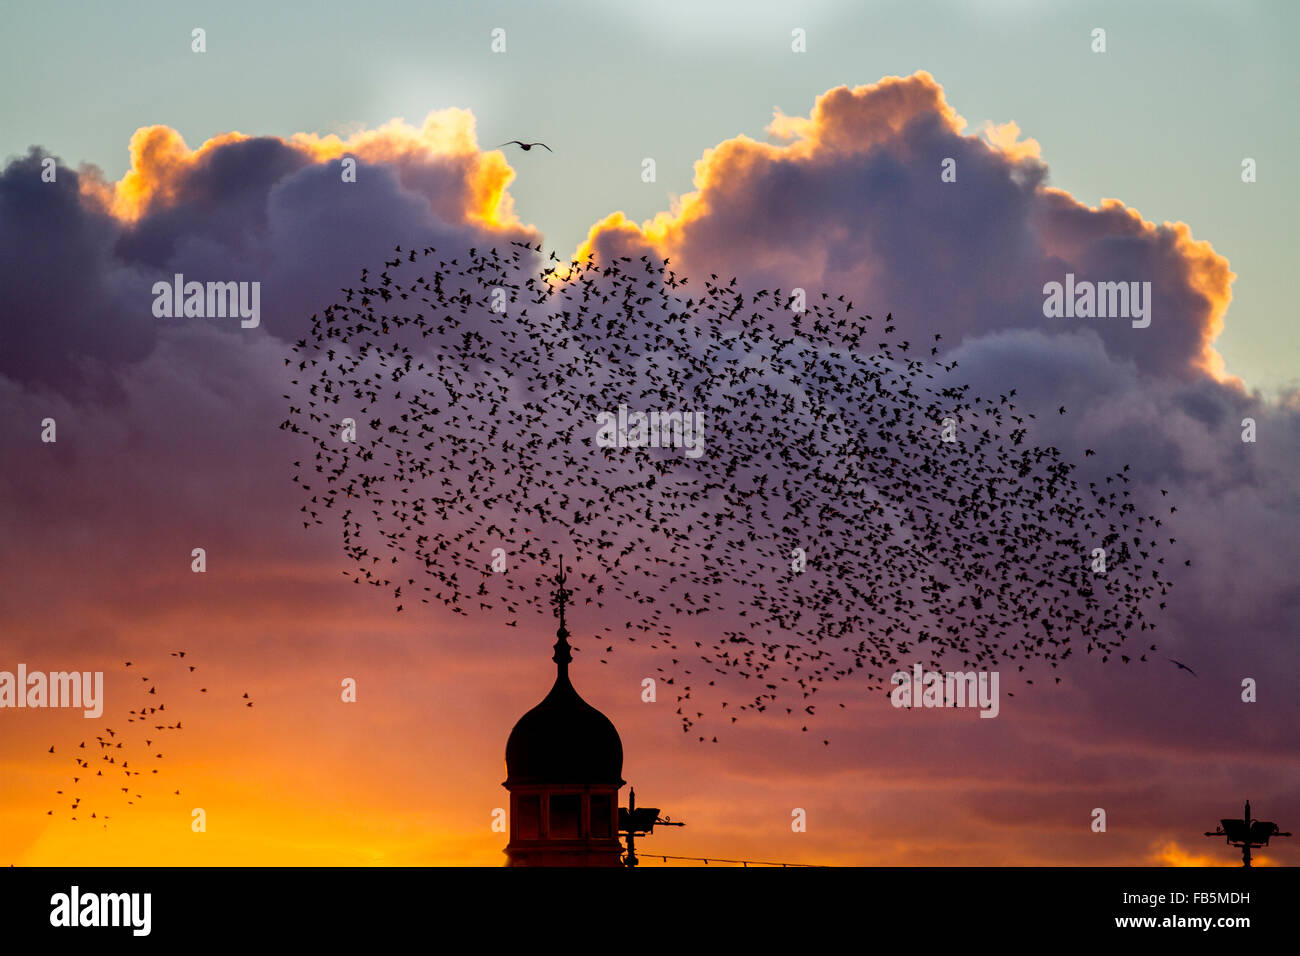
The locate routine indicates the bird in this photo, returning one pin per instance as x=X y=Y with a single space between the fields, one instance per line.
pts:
x=1183 y=666
x=117 y=749
x=818 y=426
x=524 y=146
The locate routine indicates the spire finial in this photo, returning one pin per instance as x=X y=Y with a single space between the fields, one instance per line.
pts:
x=562 y=655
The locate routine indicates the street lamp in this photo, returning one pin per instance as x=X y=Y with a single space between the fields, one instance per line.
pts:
x=1246 y=833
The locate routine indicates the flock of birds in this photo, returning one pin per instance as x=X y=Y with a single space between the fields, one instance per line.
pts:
x=827 y=524
x=107 y=766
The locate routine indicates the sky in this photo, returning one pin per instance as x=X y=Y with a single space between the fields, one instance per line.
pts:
x=818 y=168
x=1162 y=119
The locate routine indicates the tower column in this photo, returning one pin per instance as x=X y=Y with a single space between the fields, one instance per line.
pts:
x=564 y=764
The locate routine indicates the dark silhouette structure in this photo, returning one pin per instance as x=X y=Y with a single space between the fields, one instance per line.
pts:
x=1247 y=833
x=564 y=764
x=634 y=821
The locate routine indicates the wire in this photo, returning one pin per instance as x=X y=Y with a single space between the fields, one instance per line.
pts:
x=714 y=859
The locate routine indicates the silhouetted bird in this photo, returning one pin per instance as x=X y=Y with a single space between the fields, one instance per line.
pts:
x=822 y=511
x=525 y=146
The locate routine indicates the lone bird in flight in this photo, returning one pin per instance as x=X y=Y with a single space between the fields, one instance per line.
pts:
x=1182 y=666
x=525 y=146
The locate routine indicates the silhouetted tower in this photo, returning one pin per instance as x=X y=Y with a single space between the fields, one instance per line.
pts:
x=564 y=765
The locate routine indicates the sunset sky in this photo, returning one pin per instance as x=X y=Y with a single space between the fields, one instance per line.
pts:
x=817 y=169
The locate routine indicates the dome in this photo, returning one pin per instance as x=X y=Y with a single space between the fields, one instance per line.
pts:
x=564 y=740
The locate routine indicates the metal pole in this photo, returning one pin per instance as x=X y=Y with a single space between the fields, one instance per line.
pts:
x=631 y=836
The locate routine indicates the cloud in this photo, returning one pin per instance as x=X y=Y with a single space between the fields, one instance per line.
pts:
x=440 y=160
x=852 y=200
x=849 y=200
x=167 y=440
x=1171 y=854
x=82 y=254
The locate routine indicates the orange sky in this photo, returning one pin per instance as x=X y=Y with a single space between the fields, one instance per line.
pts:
x=183 y=451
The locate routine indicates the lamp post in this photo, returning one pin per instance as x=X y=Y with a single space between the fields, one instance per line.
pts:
x=634 y=822
x=1247 y=833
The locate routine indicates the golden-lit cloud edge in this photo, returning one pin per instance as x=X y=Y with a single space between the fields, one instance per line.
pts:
x=161 y=159
x=846 y=121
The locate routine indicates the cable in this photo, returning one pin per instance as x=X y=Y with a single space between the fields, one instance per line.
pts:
x=715 y=859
